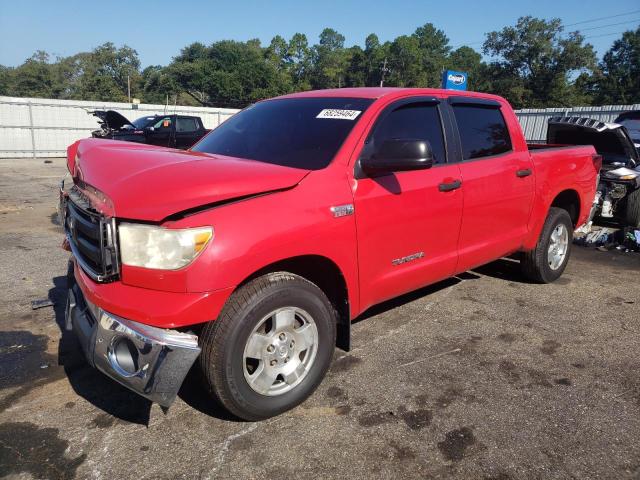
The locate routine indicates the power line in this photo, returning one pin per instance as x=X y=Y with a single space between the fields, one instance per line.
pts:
x=601 y=18
x=609 y=25
x=578 y=23
x=604 y=35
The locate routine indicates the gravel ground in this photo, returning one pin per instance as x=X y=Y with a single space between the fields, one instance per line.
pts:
x=482 y=376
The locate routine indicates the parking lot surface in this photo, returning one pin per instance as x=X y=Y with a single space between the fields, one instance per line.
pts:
x=481 y=376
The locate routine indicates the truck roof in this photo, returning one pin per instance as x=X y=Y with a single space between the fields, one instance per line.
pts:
x=378 y=92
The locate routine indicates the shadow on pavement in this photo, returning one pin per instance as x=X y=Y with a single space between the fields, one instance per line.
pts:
x=87 y=382
x=108 y=395
x=503 y=269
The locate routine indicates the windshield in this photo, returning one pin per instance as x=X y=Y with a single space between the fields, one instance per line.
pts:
x=293 y=132
x=141 y=122
x=633 y=127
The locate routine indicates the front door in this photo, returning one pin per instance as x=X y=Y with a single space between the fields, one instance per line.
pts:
x=161 y=132
x=407 y=222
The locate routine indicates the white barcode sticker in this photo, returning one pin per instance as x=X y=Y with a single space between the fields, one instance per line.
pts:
x=339 y=114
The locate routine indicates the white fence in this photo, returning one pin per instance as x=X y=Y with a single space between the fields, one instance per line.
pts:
x=534 y=120
x=38 y=127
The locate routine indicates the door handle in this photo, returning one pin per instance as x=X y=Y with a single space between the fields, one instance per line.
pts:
x=525 y=172
x=447 y=187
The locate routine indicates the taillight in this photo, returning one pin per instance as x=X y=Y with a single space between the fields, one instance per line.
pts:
x=597 y=162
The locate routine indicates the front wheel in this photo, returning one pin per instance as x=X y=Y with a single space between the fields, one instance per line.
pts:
x=546 y=262
x=270 y=347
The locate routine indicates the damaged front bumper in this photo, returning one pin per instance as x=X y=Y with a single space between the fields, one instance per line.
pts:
x=151 y=361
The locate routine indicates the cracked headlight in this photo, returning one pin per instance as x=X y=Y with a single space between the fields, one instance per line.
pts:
x=161 y=248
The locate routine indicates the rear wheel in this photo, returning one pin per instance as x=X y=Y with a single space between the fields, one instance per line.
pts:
x=632 y=212
x=270 y=347
x=547 y=261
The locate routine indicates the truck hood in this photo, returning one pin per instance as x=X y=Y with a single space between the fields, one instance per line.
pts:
x=611 y=140
x=112 y=119
x=149 y=183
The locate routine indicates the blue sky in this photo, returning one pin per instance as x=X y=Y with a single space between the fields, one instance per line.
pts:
x=158 y=29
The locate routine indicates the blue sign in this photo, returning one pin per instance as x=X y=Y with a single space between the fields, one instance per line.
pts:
x=452 y=80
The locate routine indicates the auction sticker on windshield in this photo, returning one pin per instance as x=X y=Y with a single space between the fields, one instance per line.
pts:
x=339 y=113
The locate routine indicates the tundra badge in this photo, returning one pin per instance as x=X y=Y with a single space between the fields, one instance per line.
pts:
x=400 y=261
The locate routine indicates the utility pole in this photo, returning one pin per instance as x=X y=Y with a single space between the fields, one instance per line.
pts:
x=384 y=70
x=129 y=87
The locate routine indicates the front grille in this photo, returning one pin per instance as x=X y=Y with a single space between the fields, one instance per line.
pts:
x=91 y=237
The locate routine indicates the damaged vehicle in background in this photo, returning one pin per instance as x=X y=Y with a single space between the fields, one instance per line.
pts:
x=631 y=121
x=173 y=131
x=618 y=195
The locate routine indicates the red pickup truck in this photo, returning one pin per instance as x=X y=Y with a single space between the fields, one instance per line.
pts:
x=253 y=251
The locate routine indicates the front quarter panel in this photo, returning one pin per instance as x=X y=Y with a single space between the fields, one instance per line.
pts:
x=254 y=233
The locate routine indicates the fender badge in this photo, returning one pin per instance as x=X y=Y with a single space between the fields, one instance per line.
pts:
x=409 y=258
x=342 y=210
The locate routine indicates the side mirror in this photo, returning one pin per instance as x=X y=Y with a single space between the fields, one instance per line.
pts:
x=399 y=155
x=148 y=130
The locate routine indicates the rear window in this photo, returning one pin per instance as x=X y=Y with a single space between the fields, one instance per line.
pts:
x=186 y=124
x=633 y=127
x=483 y=131
x=293 y=132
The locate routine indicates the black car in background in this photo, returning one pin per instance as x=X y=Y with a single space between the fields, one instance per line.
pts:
x=174 y=131
x=631 y=121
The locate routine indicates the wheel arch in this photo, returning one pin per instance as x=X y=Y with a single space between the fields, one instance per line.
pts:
x=327 y=275
x=568 y=200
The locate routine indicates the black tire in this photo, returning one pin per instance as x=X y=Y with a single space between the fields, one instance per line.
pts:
x=535 y=263
x=223 y=342
x=632 y=212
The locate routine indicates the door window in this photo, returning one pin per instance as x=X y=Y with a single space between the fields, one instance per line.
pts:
x=418 y=121
x=163 y=123
x=184 y=125
x=482 y=130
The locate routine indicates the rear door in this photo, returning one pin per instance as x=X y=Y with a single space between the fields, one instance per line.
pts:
x=407 y=223
x=188 y=130
x=498 y=183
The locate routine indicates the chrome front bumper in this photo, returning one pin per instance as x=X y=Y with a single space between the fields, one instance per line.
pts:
x=152 y=362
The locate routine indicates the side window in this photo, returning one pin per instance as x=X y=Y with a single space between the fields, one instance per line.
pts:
x=163 y=123
x=186 y=125
x=483 y=131
x=416 y=121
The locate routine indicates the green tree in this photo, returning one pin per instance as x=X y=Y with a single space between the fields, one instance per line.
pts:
x=374 y=60
x=434 y=49
x=106 y=71
x=299 y=55
x=6 y=80
x=535 y=62
x=466 y=59
x=405 y=63
x=619 y=79
x=228 y=73
x=330 y=60
x=157 y=86
x=278 y=53
x=34 y=78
